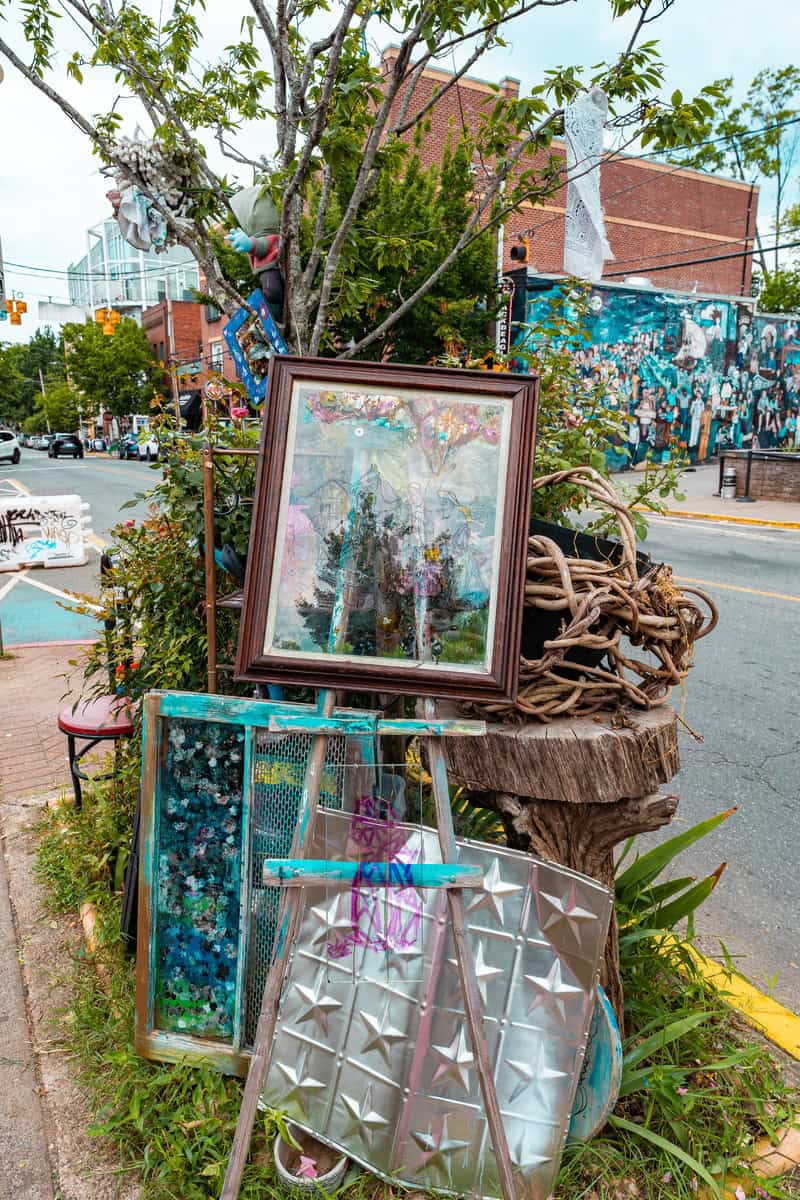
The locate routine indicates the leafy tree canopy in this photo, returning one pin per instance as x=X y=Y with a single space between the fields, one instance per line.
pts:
x=756 y=140
x=119 y=373
x=20 y=364
x=781 y=291
x=342 y=126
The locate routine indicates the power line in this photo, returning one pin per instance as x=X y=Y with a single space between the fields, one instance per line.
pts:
x=728 y=137
x=696 y=261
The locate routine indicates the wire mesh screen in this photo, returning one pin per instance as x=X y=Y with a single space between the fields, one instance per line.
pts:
x=278 y=776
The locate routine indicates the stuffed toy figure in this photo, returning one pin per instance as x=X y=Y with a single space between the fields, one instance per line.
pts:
x=257 y=237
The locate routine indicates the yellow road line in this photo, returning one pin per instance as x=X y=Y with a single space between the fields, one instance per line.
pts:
x=734 y=587
x=776 y=1022
x=701 y=516
x=25 y=490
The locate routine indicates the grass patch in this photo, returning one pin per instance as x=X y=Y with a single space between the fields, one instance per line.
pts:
x=698 y=1089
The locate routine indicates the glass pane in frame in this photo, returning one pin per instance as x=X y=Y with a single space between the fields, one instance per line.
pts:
x=198 y=878
x=390 y=527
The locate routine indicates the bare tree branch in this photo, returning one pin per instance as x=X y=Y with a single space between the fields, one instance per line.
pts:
x=360 y=188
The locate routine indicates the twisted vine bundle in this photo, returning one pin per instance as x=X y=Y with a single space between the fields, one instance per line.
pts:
x=606 y=608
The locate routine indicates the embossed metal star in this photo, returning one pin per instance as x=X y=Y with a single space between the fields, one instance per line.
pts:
x=437 y=1147
x=566 y=911
x=382 y=1035
x=319 y=1005
x=333 y=919
x=365 y=1121
x=533 y=1073
x=494 y=893
x=456 y=1060
x=527 y=1160
x=551 y=991
x=299 y=1080
x=483 y=972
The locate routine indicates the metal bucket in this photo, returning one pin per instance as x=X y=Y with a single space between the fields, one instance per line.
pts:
x=728 y=489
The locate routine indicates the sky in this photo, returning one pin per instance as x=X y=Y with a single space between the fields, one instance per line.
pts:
x=51 y=189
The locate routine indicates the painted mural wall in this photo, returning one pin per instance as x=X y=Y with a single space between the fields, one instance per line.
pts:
x=692 y=374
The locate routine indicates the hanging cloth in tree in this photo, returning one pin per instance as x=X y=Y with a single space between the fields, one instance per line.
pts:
x=585 y=244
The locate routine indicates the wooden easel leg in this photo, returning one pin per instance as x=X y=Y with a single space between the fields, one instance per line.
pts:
x=466 y=967
x=291 y=909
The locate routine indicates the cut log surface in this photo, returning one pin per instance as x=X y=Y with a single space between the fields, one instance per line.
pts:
x=574 y=761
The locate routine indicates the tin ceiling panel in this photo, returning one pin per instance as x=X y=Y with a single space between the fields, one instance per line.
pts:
x=373 y=1053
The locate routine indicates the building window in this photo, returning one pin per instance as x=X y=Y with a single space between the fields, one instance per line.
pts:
x=212 y=313
x=216 y=355
x=161 y=351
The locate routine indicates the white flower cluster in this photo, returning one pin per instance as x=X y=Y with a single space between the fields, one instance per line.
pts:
x=160 y=173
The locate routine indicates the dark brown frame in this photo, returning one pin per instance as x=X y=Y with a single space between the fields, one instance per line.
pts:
x=501 y=684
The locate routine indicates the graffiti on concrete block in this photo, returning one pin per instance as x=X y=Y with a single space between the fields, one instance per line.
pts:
x=44 y=531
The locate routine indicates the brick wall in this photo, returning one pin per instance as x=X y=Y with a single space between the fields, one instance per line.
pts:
x=216 y=356
x=775 y=478
x=655 y=213
x=184 y=344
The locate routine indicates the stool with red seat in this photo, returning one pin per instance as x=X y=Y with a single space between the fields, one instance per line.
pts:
x=105 y=719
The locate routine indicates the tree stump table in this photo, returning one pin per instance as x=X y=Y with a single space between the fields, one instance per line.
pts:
x=571 y=790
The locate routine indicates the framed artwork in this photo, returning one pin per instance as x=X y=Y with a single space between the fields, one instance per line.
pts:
x=252 y=342
x=390 y=529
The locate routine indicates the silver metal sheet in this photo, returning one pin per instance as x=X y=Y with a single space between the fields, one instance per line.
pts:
x=372 y=1052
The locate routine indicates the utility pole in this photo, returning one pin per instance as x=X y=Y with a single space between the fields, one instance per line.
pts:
x=173 y=375
x=44 y=400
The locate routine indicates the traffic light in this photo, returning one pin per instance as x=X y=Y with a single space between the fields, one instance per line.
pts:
x=108 y=319
x=15 y=309
x=521 y=253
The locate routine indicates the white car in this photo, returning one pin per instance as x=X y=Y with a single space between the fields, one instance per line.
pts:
x=9 y=446
x=148 y=449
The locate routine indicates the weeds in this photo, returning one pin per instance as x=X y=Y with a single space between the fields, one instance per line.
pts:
x=697 y=1091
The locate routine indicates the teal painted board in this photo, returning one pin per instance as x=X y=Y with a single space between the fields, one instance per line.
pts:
x=227 y=795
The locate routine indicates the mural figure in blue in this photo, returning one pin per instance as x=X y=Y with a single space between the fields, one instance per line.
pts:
x=691 y=374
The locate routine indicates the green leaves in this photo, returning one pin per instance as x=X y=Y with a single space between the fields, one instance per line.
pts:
x=670 y=1148
x=647 y=867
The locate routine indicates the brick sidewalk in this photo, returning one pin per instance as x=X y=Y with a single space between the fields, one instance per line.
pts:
x=33 y=753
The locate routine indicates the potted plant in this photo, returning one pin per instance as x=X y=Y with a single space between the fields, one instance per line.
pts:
x=303 y=1163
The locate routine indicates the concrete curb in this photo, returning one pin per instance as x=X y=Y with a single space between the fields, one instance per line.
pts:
x=699 y=516
x=777 y=1023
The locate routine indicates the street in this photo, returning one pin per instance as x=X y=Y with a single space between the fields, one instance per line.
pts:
x=741 y=696
x=32 y=608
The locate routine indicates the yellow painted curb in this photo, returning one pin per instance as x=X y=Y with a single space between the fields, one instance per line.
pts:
x=699 y=516
x=777 y=1023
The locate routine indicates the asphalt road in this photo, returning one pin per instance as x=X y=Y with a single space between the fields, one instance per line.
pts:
x=742 y=696
x=32 y=603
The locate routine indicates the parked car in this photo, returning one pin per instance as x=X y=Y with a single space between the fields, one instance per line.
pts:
x=148 y=449
x=99 y=444
x=9 y=445
x=128 y=446
x=65 y=443
x=44 y=441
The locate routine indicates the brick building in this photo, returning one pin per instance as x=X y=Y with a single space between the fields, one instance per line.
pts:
x=174 y=330
x=656 y=213
x=189 y=337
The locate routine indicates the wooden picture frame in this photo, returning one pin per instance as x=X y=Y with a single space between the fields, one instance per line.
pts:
x=400 y=540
